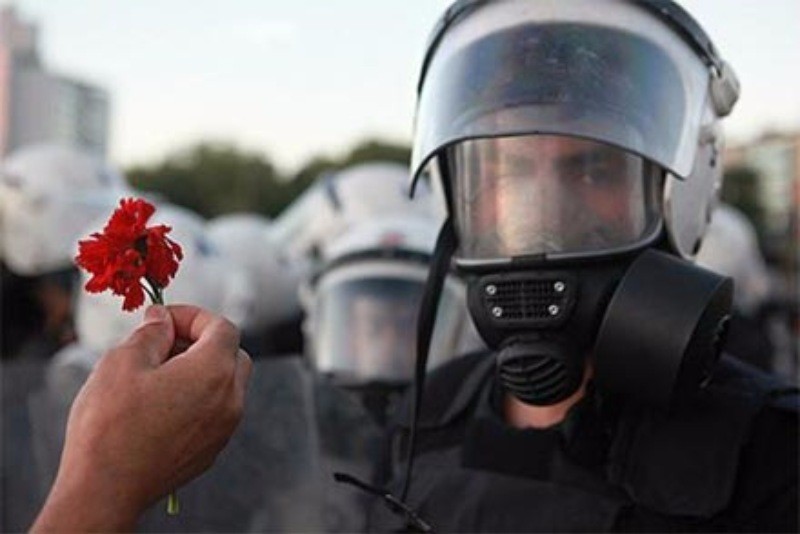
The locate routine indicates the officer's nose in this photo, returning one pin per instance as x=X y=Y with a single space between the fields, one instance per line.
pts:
x=548 y=194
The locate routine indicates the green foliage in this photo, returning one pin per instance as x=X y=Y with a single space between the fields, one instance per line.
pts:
x=378 y=150
x=216 y=178
x=211 y=179
x=371 y=150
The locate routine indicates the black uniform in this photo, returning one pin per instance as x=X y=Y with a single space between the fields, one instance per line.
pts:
x=349 y=440
x=728 y=462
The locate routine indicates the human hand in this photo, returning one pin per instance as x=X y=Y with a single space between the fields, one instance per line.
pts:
x=146 y=421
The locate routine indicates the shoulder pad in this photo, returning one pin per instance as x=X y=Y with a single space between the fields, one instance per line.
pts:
x=686 y=462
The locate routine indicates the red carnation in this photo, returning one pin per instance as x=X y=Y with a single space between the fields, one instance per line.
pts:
x=127 y=251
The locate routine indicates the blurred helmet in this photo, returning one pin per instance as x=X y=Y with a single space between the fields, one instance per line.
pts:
x=362 y=308
x=272 y=279
x=339 y=200
x=49 y=194
x=731 y=248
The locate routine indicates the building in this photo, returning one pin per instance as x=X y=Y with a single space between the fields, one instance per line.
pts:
x=37 y=105
x=775 y=158
x=53 y=108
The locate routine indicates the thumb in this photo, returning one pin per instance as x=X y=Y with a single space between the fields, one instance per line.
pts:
x=153 y=339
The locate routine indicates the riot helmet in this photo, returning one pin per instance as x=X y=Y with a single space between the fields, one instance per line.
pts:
x=273 y=279
x=51 y=193
x=362 y=305
x=731 y=248
x=338 y=200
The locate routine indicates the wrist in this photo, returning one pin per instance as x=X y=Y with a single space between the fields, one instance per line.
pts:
x=86 y=503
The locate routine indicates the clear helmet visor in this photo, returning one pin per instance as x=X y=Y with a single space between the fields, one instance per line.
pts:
x=614 y=74
x=365 y=325
x=550 y=195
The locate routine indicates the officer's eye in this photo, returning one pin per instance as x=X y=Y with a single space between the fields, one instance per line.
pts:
x=597 y=168
x=598 y=175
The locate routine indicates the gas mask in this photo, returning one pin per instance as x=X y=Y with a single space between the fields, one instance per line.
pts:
x=652 y=324
x=556 y=236
x=576 y=150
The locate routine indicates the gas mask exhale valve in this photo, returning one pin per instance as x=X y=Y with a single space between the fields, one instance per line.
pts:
x=534 y=364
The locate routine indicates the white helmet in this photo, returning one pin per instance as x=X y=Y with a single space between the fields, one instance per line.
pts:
x=362 y=308
x=731 y=248
x=204 y=278
x=50 y=194
x=245 y=239
x=639 y=77
x=337 y=201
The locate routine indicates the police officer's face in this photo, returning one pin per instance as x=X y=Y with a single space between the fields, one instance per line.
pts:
x=383 y=334
x=538 y=194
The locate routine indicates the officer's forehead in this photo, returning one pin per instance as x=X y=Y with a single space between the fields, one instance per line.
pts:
x=558 y=147
x=378 y=300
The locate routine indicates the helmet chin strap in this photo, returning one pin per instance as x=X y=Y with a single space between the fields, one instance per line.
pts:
x=440 y=265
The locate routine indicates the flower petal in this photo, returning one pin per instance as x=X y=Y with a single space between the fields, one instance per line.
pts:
x=128 y=250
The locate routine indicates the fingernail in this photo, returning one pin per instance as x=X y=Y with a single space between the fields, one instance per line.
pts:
x=155 y=313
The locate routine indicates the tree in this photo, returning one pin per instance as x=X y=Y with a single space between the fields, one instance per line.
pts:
x=374 y=150
x=212 y=179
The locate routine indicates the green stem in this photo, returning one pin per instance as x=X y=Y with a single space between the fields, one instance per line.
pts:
x=155 y=293
x=173 y=506
x=150 y=294
x=157 y=297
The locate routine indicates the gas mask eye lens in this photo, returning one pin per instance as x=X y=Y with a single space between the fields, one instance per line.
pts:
x=539 y=194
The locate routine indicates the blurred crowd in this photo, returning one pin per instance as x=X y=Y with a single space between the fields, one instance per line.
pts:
x=326 y=297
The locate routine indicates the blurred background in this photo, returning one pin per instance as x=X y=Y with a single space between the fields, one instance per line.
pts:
x=239 y=106
x=267 y=94
x=255 y=98
x=217 y=108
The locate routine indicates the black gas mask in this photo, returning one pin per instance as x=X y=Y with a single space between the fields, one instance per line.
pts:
x=652 y=324
x=560 y=240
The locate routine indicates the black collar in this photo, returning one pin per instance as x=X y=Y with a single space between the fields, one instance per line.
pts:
x=579 y=442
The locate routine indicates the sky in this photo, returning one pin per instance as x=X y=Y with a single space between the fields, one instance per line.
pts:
x=295 y=79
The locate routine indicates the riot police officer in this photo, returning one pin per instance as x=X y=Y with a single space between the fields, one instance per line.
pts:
x=577 y=144
x=361 y=310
